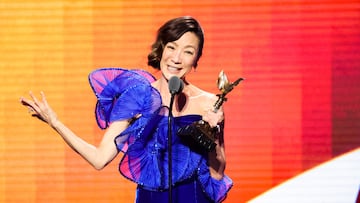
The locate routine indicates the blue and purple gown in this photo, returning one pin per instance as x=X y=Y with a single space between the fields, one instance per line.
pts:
x=121 y=95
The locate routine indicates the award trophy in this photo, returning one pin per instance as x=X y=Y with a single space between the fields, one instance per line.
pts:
x=200 y=133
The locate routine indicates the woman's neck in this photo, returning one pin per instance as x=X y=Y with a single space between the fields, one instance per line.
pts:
x=180 y=99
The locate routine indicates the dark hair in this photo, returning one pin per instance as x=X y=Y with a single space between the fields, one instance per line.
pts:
x=172 y=31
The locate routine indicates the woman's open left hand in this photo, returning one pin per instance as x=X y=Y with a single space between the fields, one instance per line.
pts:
x=40 y=109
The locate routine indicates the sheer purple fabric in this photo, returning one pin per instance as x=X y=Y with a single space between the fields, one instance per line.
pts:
x=123 y=94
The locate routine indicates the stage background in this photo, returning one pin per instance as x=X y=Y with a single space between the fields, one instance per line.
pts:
x=298 y=107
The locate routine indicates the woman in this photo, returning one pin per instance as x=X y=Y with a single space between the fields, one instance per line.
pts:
x=132 y=108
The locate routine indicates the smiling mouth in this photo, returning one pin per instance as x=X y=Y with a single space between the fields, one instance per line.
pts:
x=173 y=69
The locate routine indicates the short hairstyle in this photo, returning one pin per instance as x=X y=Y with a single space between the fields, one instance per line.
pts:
x=172 y=31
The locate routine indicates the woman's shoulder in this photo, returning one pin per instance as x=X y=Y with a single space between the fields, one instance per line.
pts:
x=201 y=99
x=200 y=94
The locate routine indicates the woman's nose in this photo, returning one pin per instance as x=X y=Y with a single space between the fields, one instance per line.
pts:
x=176 y=58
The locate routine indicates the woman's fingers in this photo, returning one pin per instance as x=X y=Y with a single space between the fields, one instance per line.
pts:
x=43 y=97
x=24 y=101
x=48 y=115
x=35 y=107
x=213 y=118
x=36 y=102
x=28 y=104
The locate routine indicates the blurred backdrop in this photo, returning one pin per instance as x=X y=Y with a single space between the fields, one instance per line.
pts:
x=298 y=107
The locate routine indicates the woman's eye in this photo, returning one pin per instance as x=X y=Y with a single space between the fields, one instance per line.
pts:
x=189 y=52
x=170 y=47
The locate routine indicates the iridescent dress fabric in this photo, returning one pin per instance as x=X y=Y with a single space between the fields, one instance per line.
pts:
x=121 y=95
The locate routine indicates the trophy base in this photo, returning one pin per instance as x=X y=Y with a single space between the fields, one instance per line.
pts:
x=199 y=134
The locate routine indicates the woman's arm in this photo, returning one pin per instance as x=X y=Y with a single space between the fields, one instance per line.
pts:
x=217 y=160
x=99 y=156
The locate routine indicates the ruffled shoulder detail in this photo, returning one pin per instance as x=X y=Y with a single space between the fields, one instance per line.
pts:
x=110 y=84
x=215 y=189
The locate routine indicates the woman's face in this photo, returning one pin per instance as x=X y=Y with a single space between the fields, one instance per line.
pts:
x=179 y=56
